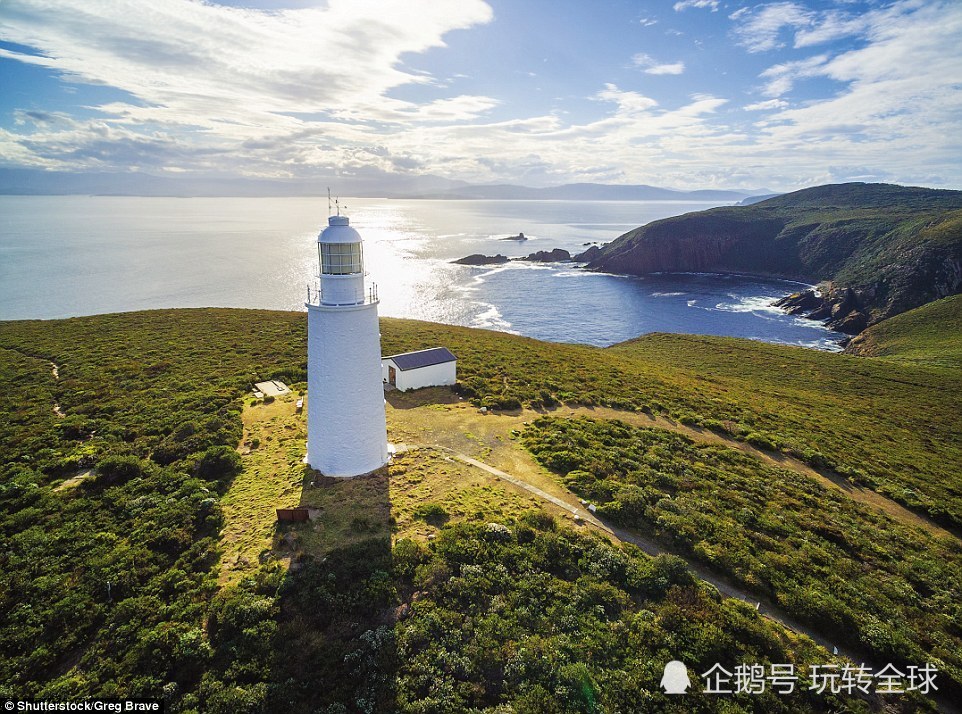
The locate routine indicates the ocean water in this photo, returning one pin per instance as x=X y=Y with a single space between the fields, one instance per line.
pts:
x=64 y=256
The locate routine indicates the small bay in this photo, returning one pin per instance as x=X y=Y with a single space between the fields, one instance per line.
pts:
x=63 y=256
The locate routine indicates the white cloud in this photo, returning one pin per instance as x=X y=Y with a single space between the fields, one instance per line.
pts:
x=298 y=93
x=896 y=104
x=833 y=25
x=672 y=68
x=780 y=78
x=648 y=21
x=685 y=4
x=629 y=103
x=242 y=73
x=652 y=66
x=894 y=115
x=766 y=105
x=761 y=29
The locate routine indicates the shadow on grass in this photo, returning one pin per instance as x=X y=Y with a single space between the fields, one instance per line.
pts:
x=319 y=635
x=421 y=397
x=335 y=648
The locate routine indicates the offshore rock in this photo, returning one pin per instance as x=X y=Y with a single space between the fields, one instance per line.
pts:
x=478 y=259
x=803 y=302
x=544 y=256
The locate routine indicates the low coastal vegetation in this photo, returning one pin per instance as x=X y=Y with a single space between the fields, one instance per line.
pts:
x=120 y=443
x=888 y=590
x=930 y=335
x=892 y=427
x=520 y=615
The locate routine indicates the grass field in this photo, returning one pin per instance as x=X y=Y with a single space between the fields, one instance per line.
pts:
x=391 y=503
x=892 y=427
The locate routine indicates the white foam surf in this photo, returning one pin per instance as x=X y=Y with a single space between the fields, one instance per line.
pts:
x=491 y=318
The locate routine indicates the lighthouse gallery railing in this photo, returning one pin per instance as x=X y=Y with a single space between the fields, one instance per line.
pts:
x=315 y=296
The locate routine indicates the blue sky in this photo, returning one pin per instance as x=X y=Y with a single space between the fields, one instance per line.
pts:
x=684 y=94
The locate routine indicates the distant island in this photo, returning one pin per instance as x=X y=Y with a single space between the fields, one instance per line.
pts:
x=479 y=259
x=588 y=192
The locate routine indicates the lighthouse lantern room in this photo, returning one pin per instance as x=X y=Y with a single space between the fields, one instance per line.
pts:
x=346 y=432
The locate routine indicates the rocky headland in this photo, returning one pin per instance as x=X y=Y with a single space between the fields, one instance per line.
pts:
x=881 y=249
x=840 y=309
x=876 y=250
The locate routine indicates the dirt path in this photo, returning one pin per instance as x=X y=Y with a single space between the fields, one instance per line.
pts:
x=824 y=477
x=725 y=586
x=447 y=422
x=55 y=371
x=576 y=511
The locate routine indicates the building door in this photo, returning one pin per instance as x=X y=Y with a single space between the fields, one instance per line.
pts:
x=391 y=376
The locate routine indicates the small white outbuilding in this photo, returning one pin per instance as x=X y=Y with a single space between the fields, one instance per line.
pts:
x=425 y=368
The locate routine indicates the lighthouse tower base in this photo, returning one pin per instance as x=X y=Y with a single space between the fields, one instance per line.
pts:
x=346 y=430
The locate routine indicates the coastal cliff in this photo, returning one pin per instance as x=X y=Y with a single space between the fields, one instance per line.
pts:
x=884 y=249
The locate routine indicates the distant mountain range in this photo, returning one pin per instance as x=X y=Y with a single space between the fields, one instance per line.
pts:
x=589 y=192
x=34 y=182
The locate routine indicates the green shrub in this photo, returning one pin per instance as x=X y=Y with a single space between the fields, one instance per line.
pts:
x=761 y=441
x=827 y=559
x=218 y=463
x=114 y=470
x=432 y=513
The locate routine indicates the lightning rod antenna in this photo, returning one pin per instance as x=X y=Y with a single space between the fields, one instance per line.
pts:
x=328 y=200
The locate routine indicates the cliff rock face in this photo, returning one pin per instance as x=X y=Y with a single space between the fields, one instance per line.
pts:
x=885 y=249
x=701 y=244
x=593 y=253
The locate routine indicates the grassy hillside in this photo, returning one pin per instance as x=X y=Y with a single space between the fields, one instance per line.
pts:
x=929 y=335
x=110 y=578
x=892 y=426
x=896 y=247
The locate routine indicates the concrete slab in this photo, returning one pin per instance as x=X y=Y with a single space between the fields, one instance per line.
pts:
x=272 y=388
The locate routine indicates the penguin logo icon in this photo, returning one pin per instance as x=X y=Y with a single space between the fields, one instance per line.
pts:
x=675 y=679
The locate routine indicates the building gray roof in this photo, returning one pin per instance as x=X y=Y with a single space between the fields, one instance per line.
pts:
x=422 y=358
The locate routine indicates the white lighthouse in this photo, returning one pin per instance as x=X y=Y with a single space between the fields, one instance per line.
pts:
x=346 y=432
